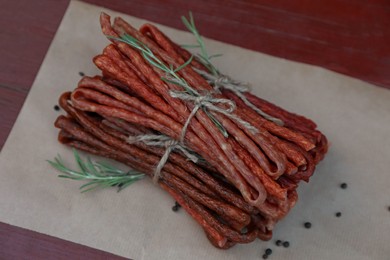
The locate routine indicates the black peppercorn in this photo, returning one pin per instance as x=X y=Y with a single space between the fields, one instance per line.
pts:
x=278 y=242
x=343 y=185
x=268 y=251
x=176 y=206
x=265 y=256
x=338 y=214
x=307 y=225
x=81 y=74
x=56 y=108
x=286 y=244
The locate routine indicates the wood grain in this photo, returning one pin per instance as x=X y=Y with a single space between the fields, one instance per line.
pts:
x=20 y=243
x=27 y=28
x=348 y=36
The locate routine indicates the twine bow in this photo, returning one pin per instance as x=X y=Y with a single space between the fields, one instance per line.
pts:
x=238 y=88
x=163 y=141
x=209 y=104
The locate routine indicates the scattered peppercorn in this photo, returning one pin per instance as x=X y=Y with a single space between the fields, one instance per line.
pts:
x=278 y=242
x=343 y=185
x=286 y=244
x=176 y=206
x=265 y=256
x=307 y=225
x=338 y=214
x=81 y=74
x=56 y=108
x=268 y=251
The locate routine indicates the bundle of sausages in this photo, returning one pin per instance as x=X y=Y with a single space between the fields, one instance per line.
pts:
x=243 y=184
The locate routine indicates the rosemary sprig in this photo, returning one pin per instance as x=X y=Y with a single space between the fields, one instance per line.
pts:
x=98 y=174
x=203 y=56
x=215 y=75
x=171 y=73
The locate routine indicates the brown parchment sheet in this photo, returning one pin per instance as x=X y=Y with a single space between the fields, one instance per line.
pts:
x=138 y=222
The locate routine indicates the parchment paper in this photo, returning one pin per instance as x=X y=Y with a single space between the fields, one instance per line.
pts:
x=139 y=223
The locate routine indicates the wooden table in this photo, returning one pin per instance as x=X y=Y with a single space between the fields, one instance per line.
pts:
x=348 y=36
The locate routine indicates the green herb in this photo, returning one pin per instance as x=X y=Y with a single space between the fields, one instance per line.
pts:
x=214 y=76
x=203 y=56
x=171 y=73
x=98 y=174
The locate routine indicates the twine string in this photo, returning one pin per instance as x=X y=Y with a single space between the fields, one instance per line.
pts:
x=238 y=88
x=166 y=142
x=206 y=102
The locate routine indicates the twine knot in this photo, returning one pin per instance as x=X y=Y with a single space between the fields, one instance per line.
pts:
x=171 y=142
x=209 y=104
x=220 y=81
x=238 y=88
x=166 y=142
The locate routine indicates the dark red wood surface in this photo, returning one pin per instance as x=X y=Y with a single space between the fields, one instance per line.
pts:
x=19 y=243
x=348 y=36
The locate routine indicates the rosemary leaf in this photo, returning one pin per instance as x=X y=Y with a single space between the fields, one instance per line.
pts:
x=107 y=168
x=172 y=81
x=215 y=56
x=82 y=187
x=205 y=62
x=91 y=167
x=217 y=123
x=80 y=163
x=184 y=64
x=70 y=177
